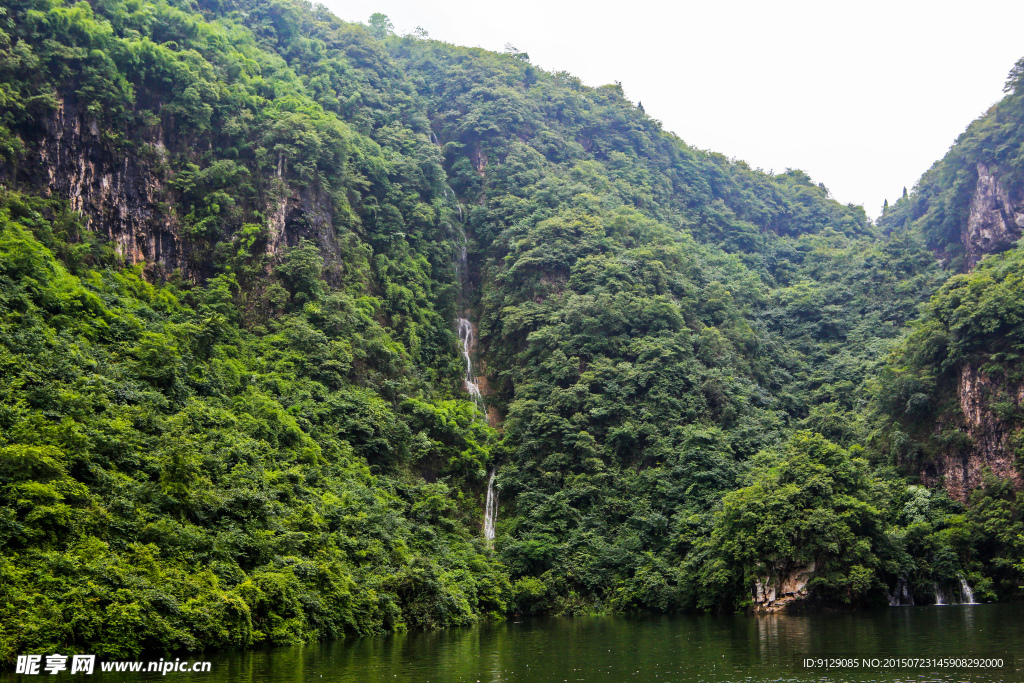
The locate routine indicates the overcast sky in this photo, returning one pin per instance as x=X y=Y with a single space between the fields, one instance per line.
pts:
x=863 y=95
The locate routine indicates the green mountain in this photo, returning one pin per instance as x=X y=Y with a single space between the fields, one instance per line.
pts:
x=246 y=249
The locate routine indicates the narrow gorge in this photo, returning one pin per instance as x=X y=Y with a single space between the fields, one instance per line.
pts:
x=289 y=305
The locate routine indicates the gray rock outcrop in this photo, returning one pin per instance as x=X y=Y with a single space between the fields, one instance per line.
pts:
x=990 y=437
x=779 y=590
x=996 y=217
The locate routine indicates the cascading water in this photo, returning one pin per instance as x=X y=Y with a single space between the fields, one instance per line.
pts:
x=458 y=207
x=901 y=595
x=468 y=342
x=966 y=593
x=942 y=597
x=466 y=337
x=490 y=509
x=464 y=325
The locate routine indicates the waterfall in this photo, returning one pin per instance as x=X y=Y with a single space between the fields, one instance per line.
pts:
x=901 y=595
x=468 y=341
x=466 y=338
x=458 y=207
x=464 y=325
x=906 y=597
x=490 y=509
x=967 y=595
x=462 y=258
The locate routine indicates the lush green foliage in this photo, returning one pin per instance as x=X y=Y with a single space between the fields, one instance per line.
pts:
x=183 y=483
x=654 y=316
x=272 y=444
x=973 y=322
x=971 y=330
x=819 y=505
x=939 y=204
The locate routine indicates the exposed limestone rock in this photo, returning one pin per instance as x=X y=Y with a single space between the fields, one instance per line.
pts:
x=479 y=160
x=778 y=591
x=120 y=195
x=307 y=215
x=990 y=436
x=996 y=217
x=994 y=224
x=122 y=192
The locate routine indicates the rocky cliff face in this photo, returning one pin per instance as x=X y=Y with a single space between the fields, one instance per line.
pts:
x=119 y=188
x=996 y=217
x=994 y=224
x=122 y=190
x=991 y=437
x=777 y=592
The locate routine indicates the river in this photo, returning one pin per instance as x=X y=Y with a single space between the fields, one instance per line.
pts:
x=648 y=650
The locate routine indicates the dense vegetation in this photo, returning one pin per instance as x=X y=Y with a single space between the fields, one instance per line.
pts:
x=181 y=482
x=271 y=443
x=938 y=207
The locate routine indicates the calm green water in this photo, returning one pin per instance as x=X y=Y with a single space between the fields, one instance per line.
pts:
x=652 y=650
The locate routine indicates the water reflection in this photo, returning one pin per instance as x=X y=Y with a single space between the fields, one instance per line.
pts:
x=652 y=650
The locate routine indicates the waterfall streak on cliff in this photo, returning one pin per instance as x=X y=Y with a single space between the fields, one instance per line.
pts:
x=490 y=509
x=901 y=595
x=942 y=597
x=465 y=327
x=468 y=342
x=966 y=593
x=466 y=338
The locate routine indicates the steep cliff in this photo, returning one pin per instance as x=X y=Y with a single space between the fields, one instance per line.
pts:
x=993 y=225
x=120 y=189
x=971 y=202
x=125 y=189
x=956 y=386
x=995 y=216
x=968 y=206
x=987 y=409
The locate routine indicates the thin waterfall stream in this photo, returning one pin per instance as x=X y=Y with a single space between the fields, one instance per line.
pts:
x=490 y=509
x=467 y=339
x=463 y=324
x=966 y=593
x=943 y=597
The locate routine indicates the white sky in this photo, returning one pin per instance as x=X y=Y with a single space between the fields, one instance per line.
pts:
x=862 y=95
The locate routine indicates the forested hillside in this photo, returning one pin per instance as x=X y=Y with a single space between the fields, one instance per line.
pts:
x=235 y=240
x=952 y=393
